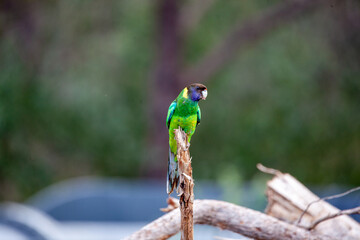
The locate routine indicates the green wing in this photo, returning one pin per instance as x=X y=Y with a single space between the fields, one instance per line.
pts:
x=170 y=113
x=198 y=115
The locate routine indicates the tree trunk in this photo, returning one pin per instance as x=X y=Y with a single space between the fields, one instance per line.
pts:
x=164 y=85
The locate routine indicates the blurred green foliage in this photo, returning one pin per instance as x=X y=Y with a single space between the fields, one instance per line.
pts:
x=290 y=101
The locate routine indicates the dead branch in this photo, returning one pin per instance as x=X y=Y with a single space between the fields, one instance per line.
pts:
x=327 y=198
x=186 y=185
x=244 y=221
x=342 y=212
x=246 y=33
x=288 y=199
x=172 y=204
x=271 y=171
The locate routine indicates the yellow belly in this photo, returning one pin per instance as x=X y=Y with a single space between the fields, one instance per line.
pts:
x=188 y=125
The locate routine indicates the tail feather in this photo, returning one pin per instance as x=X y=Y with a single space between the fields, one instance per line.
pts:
x=172 y=173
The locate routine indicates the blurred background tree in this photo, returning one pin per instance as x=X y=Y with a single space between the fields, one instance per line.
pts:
x=85 y=87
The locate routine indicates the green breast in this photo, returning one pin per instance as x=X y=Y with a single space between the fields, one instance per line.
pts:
x=185 y=116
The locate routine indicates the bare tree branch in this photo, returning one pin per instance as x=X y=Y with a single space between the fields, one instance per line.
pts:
x=343 y=212
x=164 y=83
x=227 y=216
x=326 y=198
x=271 y=171
x=186 y=185
x=245 y=33
x=288 y=198
x=173 y=203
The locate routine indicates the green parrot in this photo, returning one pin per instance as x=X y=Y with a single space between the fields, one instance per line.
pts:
x=184 y=111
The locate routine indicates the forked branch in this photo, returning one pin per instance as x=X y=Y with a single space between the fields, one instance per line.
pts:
x=344 y=212
x=330 y=216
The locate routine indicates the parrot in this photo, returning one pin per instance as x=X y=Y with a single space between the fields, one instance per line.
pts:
x=183 y=112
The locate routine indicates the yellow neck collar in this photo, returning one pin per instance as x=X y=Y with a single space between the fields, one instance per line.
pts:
x=185 y=93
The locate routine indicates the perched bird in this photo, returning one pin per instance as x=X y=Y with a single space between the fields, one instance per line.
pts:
x=184 y=111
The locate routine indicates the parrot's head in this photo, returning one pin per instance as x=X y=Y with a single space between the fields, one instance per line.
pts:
x=197 y=91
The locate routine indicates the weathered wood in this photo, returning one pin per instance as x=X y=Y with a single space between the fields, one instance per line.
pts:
x=244 y=221
x=186 y=185
x=288 y=198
